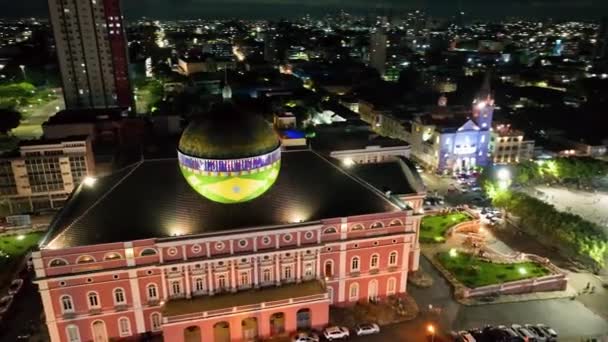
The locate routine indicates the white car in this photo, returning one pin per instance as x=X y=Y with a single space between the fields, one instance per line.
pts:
x=15 y=286
x=367 y=329
x=5 y=304
x=548 y=330
x=306 y=337
x=333 y=333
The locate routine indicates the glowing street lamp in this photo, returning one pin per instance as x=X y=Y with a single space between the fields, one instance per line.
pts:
x=22 y=67
x=431 y=329
x=348 y=162
x=504 y=178
x=453 y=253
x=89 y=181
x=522 y=271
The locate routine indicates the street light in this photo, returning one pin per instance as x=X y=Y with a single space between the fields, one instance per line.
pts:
x=89 y=181
x=431 y=329
x=504 y=174
x=22 y=67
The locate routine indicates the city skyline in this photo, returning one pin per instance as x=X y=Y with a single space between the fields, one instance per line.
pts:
x=275 y=9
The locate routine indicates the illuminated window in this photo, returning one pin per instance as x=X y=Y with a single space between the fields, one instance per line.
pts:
x=356 y=227
x=124 y=326
x=85 y=259
x=57 y=263
x=353 y=292
x=156 y=321
x=147 y=252
x=391 y=286
x=72 y=333
x=112 y=256
x=330 y=230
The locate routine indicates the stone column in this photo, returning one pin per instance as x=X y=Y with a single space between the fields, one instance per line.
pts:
x=210 y=278
x=187 y=281
x=256 y=280
x=298 y=267
x=232 y=276
x=277 y=271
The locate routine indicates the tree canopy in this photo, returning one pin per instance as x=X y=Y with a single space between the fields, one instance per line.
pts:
x=9 y=119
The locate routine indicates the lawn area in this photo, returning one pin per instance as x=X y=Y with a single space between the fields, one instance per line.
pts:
x=433 y=228
x=474 y=272
x=15 y=246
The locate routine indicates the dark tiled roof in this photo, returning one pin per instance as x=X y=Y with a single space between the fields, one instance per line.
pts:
x=151 y=199
x=399 y=176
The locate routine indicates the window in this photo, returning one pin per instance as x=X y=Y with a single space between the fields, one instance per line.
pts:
x=356 y=227
x=374 y=261
x=85 y=259
x=176 y=287
x=155 y=319
x=354 y=264
x=266 y=240
x=377 y=225
x=72 y=333
x=392 y=259
x=287 y=238
x=243 y=243
x=124 y=326
x=112 y=256
x=329 y=268
x=199 y=285
x=57 y=263
x=219 y=246
x=244 y=278
x=287 y=272
x=353 y=292
x=66 y=304
x=93 y=300
x=330 y=230
x=221 y=281
x=196 y=249
x=119 y=297
x=307 y=269
x=309 y=235
x=266 y=275
x=152 y=292
x=396 y=223
x=148 y=252
x=391 y=286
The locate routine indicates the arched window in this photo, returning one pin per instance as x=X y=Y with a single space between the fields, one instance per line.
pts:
x=148 y=252
x=244 y=278
x=376 y=225
x=176 y=287
x=396 y=222
x=155 y=321
x=354 y=264
x=372 y=290
x=67 y=305
x=356 y=227
x=93 y=299
x=330 y=230
x=58 y=262
x=353 y=292
x=287 y=272
x=124 y=327
x=199 y=284
x=391 y=286
x=119 y=296
x=329 y=268
x=152 y=292
x=221 y=282
x=266 y=275
x=112 y=256
x=374 y=261
x=85 y=259
x=72 y=333
x=392 y=259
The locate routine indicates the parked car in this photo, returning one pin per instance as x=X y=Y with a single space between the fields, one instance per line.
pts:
x=306 y=337
x=5 y=304
x=511 y=335
x=524 y=333
x=367 y=329
x=541 y=336
x=548 y=330
x=15 y=286
x=333 y=333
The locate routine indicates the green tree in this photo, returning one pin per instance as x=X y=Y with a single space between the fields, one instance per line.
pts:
x=9 y=119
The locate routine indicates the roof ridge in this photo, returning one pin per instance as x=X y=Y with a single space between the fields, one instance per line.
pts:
x=101 y=198
x=358 y=180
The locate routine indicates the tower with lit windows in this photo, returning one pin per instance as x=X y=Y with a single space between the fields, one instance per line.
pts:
x=92 y=53
x=483 y=112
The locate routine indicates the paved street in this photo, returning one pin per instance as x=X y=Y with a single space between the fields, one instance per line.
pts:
x=26 y=308
x=31 y=126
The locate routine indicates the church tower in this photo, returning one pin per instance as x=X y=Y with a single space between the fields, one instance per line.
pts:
x=483 y=105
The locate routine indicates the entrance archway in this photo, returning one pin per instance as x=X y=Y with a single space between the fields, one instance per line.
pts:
x=277 y=323
x=303 y=321
x=221 y=332
x=100 y=333
x=250 y=328
x=372 y=291
x=192 y=334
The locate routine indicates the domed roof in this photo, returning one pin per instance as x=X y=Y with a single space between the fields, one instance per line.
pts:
x=227 y=133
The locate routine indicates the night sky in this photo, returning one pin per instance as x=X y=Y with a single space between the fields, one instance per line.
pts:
x=272 y=9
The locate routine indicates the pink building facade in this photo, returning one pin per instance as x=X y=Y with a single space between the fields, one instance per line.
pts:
x=235 y=285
